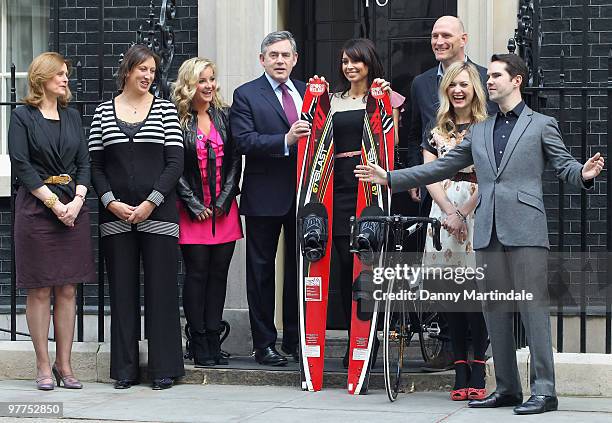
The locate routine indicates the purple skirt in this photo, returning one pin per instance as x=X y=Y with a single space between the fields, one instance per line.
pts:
x=47 y=252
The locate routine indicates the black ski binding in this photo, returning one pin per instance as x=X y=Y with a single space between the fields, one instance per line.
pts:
x=368 y=241
x=312 y=230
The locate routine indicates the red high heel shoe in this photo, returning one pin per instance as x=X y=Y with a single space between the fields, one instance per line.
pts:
x=459 y=394
x=477 y=393
x=462 y=393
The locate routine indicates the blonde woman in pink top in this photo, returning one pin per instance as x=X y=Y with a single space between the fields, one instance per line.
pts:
x=208 y=213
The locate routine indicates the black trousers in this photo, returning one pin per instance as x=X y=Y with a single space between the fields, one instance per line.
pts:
x=262 y=235
x=205 y=284
x=159 y=255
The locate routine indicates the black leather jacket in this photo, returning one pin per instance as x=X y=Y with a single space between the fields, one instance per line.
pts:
x=189 y=187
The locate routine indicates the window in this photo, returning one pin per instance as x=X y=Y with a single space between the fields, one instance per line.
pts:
x=24 y=34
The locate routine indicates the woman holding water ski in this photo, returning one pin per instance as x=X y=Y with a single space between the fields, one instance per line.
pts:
x=359 y=67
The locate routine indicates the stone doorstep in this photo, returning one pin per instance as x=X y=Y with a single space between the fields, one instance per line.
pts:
x=91 y=362
x=421 y=382
x=576 y=374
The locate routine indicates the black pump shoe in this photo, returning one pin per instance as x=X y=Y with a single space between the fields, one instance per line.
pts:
x=162 y=383
x=124 y=383
x=345 y=359
x=292 y=351
x=375 y=351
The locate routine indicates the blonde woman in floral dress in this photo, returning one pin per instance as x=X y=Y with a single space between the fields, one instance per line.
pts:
x=462 y=103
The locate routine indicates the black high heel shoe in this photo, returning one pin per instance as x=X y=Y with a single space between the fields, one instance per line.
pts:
x=375 y=351
x=345 y=359
x=214 y=348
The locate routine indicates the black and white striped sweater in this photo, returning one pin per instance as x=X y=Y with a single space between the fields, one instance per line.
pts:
x=146 y=166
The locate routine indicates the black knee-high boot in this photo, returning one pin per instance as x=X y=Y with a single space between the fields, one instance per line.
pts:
x=200 y=349
x=214 y=347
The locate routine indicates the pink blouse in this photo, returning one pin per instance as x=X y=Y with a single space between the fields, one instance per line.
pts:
x=227 y=228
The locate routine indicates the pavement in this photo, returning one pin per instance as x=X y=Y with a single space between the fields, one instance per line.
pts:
x=99 y=402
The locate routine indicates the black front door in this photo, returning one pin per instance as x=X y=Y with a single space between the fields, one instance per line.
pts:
x=401 y=31
x=320 y=28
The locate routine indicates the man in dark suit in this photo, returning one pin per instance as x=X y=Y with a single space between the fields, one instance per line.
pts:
x=448 y=41
x=510 y=152
x=264 y=122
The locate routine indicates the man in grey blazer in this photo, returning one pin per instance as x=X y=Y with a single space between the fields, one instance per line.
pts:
x=510 y=152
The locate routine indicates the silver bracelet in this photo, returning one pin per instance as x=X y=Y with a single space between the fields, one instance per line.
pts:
x=461 y=216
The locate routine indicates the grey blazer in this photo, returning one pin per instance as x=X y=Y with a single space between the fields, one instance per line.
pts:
x=510 y=196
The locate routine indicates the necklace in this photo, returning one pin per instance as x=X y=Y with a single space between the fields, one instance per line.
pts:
x=355 y=96
x=135 y=108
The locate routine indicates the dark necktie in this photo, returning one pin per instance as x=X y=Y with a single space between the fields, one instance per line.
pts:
x=288 y=105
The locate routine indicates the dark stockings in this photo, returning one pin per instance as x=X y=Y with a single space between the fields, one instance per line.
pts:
x=459 y=325
x=205 y=284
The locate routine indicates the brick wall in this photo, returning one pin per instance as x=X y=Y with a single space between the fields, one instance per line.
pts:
x=79 y=36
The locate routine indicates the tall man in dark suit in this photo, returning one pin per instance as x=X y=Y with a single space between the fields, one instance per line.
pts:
x=510 y=152
x=264 y=122
x=448 y=41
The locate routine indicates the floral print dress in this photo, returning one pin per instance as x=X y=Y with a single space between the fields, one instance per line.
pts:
x=454 y=253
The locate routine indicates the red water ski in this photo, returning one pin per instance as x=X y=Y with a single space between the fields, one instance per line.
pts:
x=314 y=219
x=372 y=199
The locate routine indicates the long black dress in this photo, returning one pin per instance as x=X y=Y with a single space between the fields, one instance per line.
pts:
x=348 y=114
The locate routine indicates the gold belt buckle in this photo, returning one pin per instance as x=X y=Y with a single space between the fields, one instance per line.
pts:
x=64 y=179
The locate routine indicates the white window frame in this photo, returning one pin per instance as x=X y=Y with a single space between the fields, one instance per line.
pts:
x=5 y=76
x=5 y=96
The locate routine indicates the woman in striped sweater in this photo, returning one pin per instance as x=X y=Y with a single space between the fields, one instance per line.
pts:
x=136 y=149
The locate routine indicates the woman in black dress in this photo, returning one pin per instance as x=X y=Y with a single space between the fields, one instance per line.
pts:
x=52 y=235
x=359 y=67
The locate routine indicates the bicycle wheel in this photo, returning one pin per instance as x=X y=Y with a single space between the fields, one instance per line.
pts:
x=397 y=334
x=431 y=326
